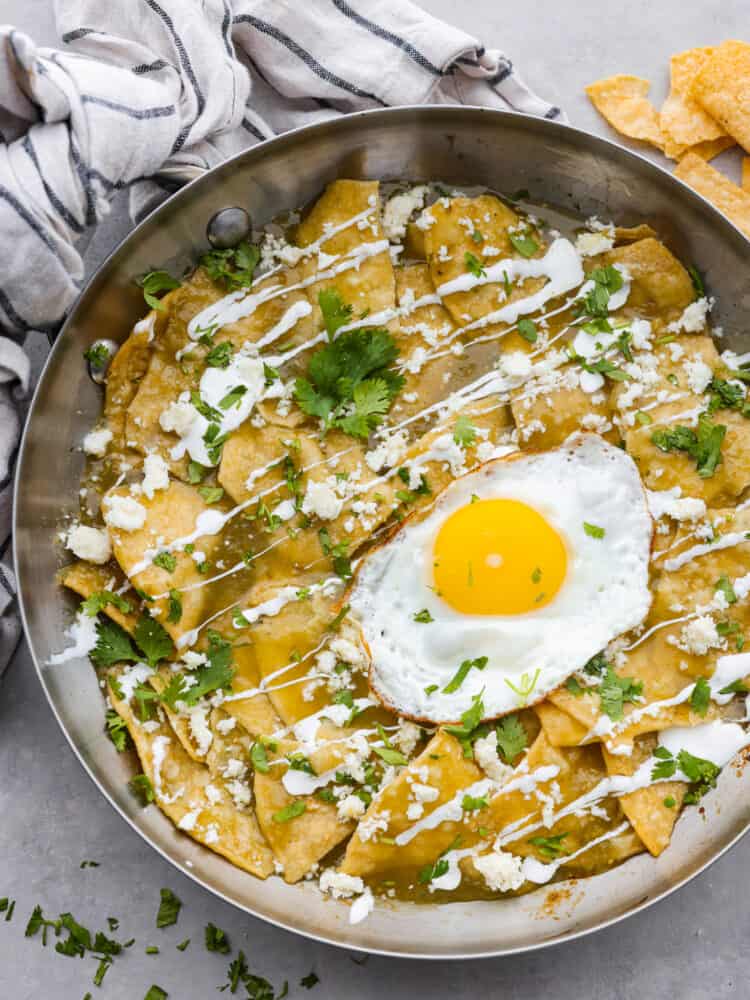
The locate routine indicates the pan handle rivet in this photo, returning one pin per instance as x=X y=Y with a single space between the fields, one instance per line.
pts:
x=228 y=228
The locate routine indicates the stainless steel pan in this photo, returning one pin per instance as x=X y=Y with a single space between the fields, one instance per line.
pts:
x=558 y=164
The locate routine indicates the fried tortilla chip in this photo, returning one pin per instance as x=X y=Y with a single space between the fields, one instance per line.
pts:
x=180 y=785
x=622 y=100
x=126 y=370
x=722 y=88
x=653 y=811
x=560 y=728
x=683 y=121
x=723 y=194
x=745 y=184
x=86 y=579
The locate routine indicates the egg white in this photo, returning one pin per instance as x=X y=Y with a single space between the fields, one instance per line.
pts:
x=605 y=591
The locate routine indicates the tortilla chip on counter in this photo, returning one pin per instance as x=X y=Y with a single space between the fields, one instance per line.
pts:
x=623 y=101
x=730 y=199
x=722 y=88
x=683 y=121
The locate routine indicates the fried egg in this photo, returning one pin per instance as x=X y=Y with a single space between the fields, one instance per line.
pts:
x=512 y=580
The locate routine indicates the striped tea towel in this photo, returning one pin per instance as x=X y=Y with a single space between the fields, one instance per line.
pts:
x=144 y=83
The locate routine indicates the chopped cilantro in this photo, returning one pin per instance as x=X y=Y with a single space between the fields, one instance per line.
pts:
x=726 y=395
x=142 y=787
x=166 y=561
x=470 y=803
x=196 y=472
x=615 y=691
x=704 y=447
x=478 y=663
x=219 y=356
x=643 y=418
x=183 y=945
x=155 y=282
x=349 y=383
x=573 y=686
x=100 y=599
x=525 y=686
x=700 y=696
x=527 y=329
x=232 y=268
x=725 y=586
x=169 y=909
x=216 y=939
x=432 y=871
x=607 y=281
x=524 y=243
x=309 y=981
x=390 y=756
x=334 y=623
x=211 y=494
x=736 y=687
x=474 y=265
x=259 y=758
x=156 y=993
x=338 y=552
x=97 y=355
x=423 y=617
x=431 y=688
x=593 y=530
x=289 y=812
x=216 y=675
x=536 y=575
x=477 y=236
x=549 y=847
x=697 y=280
x=175 y=607
x=669 y=802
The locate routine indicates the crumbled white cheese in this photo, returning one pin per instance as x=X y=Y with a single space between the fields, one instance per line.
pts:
x=95 y=443
x=400 y=208
x=124 y=512
x=388 y=453
x=352 y=807
x=698 y=375
x=407 y=736
x=178 y=417
x=693 y=318
x=501 y=870
x=339 y=885
x=241 y=793
x=225 y=726
x=347 y=651
x=591 y=244
x=671 y=503
x=321 y=501
x=698 y=636
x=189 y=820
x=424 y=793
x=156 y=475
x=234 y=768
x=200 y=730
x=372 y=825
x=91 y=544
x=213 y=794
x=486 y=755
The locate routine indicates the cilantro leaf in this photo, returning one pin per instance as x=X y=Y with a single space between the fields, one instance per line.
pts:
x=474 y=265
x=155 y=282
x=166 y=561
x=423 y=616
x=607 y=280
x=156 y=993
x=615 y=691
x=511 y=738
x=372 y=400
x=97 y=355
x=211 y=494
x=289 y=812
x=464 y=431
x=335 y=312
x=309 y=981
x=117 y=731
x=432 y=871
x=216 y=675
x=153 y=640
x=700 y=697
x=593 y=530
x=216 y=939
x=524 y=243
x=113 y=645
x=219 y=356
x=390 y=756
x=175 y=607
x=142 y=787
x=232 y=268
x=724 y=584
x=527 y=329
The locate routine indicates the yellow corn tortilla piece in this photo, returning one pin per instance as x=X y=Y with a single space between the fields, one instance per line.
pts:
x=545 y=417
x=371 y=286
x=683 y=121
x=180 y=723
x=126 y=370
x=180 y=789
x=256 y=714
x=370 y=854
x=723 y=194
x=160 y=386
x=623 y=101
x=86 y=579
x=301 y=842
x=705 y=150
x=652 y=820
x=560 y=728
x=722 y=88
x=170 y=514
x=662 y=470
x=660 y=283
x=447 y=243
x=632 y=234
x=745 y=184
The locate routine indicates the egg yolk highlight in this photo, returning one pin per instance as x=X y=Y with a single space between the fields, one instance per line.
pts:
x=498 y=557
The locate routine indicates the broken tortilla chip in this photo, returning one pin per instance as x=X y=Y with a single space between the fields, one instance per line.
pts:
x=623 y=101
x=730 y=199
x=745 y=183
x=683 y=121
x=722 y=89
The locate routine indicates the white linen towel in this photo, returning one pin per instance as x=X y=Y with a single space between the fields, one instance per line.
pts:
x=144 y=83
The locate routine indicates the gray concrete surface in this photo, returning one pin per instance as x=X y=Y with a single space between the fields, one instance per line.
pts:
x=693 y=945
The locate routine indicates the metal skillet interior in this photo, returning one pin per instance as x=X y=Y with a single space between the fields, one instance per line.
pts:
x=558 y=165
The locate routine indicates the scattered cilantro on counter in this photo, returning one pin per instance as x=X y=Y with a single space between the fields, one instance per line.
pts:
x=169 y=909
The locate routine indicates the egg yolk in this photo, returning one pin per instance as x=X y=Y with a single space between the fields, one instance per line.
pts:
x=498 y=557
